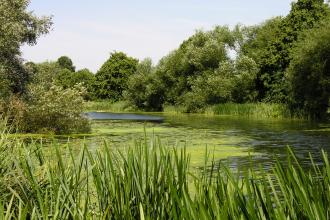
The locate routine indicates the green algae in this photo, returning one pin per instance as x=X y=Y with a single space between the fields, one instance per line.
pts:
x=196 y=140
x=176 y=133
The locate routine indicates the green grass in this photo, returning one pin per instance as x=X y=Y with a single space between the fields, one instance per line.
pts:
x=152 y=181
x=107 y=106
x=250 y=110
x=254 y=110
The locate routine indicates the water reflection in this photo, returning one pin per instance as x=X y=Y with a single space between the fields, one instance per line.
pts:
x=267 y=137
x=120 y=116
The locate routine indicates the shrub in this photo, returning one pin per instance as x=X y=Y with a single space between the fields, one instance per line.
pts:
x=56 y=110
x=14 y=110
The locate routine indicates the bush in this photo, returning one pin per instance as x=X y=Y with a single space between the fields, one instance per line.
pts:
x=56 y=110
x=14 y=110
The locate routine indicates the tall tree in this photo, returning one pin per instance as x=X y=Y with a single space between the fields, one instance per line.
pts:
x=275 y=54
x=111 y=79
x=309 y=73
x=17 y=27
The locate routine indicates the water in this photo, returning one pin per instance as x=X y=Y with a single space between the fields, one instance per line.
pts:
x=267 y=138
x=123 y=116
x=231 y=137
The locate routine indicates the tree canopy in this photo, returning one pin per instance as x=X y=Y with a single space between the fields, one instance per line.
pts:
x=271 y=44
x=66 y=63
x=111 y=79
x=17 y=27
x=309 y=73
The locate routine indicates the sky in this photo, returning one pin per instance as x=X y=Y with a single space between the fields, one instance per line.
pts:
x=88 y=31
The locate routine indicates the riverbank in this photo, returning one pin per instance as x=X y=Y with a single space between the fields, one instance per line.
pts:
x=108 y=106
x=250 y=110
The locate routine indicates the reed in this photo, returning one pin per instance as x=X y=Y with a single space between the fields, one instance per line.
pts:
x=152 y=181
x=107 y=106
x=256 y=110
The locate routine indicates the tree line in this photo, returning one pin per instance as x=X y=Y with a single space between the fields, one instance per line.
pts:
x=282 y=60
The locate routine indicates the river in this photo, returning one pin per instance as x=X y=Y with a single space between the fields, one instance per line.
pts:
x=231 y=138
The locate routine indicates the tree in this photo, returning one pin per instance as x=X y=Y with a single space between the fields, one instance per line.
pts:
x=201 y=53
x=309 y=73
x=270 y=46
x=87 y=79
x=66 y=63
x=84 y=77
x=64 y=78
x=111 y=79
x=142 y=90
x=46 y=73
x=199 y=73
x=17 y=27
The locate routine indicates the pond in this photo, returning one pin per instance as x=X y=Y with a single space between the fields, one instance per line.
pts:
x=236 y=140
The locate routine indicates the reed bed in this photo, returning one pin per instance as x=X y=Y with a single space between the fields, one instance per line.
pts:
x=107 y=106
x=255 y=110
x=152 y=181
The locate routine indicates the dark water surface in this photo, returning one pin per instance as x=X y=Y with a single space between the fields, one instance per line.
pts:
x=123 y=116
x=264 y=137
x=268 y=137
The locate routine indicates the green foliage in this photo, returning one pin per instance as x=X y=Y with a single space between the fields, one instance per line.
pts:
x=270 y=45
x=309 y=73
x=17 y=27
x=143 y=91
x=50 y=73
x=55 y=110
x=66 y=63
x=111 y=79
x=63 y=78
x=200 y=53
x=201 y=72
x=231 y=82
x=45 y=73
x=87 y=79
x=244 y=80
x=173 y=79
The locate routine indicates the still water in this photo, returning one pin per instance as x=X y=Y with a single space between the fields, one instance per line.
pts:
x=232 y=138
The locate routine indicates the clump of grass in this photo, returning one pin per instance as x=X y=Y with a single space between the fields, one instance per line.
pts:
x=107 y=106
x=151 y=181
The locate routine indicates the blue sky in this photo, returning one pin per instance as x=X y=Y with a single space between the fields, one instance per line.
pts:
x=87 y=31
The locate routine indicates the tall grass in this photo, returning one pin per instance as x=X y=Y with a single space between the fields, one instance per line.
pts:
x=107 y=106
x=255 y=110
x=250 y=110
x=151 y=181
